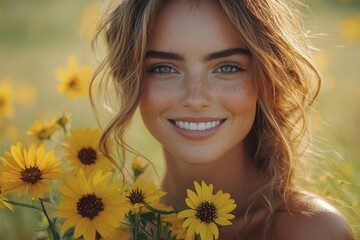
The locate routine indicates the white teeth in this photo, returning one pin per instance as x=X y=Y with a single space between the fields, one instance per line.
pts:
x=201 y=126
x=197 y=126
x=193 y=126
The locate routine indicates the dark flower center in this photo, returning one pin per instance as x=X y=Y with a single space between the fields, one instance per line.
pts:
x=89 y=205
x=206 y=212
x=63 y=120
x=73 y=82
x=2 y=101
x=43 y=134
x=136 y=196
x=87 y=156
x=31 y=175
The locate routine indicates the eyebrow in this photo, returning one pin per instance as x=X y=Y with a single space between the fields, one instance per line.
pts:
x=208 y=57
x=227 y=53
x=163 y=55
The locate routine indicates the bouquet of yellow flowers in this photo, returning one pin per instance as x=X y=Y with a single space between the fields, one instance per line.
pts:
x=82 y=195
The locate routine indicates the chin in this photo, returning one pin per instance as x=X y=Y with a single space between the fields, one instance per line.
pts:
x=198 y=161
x=192 y=157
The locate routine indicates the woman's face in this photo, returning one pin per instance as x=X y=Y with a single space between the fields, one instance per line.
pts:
x=199 y=101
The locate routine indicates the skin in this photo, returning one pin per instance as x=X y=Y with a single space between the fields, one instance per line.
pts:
x=198 y=70
x=197 y=90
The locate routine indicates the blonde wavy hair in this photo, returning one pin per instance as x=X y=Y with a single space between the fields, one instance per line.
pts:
x=286 y=79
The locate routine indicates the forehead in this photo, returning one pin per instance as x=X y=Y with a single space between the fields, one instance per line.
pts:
x=182 y=23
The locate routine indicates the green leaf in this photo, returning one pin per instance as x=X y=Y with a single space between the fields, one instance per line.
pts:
x=68 y=235
x=54 y=219
x=50 y=233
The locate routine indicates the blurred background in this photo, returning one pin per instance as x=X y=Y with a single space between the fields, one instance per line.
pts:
x=37 y=37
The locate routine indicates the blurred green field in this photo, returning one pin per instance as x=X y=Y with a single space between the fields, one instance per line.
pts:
x=37 y=36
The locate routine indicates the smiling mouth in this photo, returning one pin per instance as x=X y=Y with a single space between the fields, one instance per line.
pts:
x=197 y=126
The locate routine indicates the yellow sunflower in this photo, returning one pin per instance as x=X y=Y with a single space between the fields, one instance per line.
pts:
x=73 y=81
x=91 y=204
x=6 y=99
x=207 y=211
x=3 y=199
x=63 y=120
x=138 y=166
x=42 y=130
x=142 y=193
x=30 y=169
x=83 y=152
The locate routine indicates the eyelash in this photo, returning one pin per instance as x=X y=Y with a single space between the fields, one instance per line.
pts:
x=156 y=69
x=235 y=68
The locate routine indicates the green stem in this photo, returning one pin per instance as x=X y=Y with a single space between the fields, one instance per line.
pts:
x=37 y=208
x=158 y=227
x=64 y=129
x=47 y=200
x=159 y=211
x=136 y=232
x=23 y=205
x=48 y=219
x=145 y=231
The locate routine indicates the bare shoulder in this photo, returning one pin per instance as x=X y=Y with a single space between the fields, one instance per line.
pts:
x=311 y=218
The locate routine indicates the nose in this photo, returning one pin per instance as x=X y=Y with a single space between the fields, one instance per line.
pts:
x=196 y=92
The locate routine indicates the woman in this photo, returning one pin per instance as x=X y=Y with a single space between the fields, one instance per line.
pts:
x=224 y=86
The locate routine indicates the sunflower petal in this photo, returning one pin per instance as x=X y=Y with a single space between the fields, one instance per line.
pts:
x=81 y=227
x=187 y=213
x=214 y=230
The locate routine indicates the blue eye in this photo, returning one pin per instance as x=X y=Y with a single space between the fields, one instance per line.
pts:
x=162 y=69
x=228 y=69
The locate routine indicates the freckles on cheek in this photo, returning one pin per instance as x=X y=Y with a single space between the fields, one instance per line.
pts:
x=238 y=95
x=240 y=100
x=155 y=96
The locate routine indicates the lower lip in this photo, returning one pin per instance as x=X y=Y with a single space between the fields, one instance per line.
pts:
x=197 y=134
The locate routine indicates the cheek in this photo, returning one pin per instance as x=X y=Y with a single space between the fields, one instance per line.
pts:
x=153 y=94
x=239 y=98
x=240 y=101
x=155 y=99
